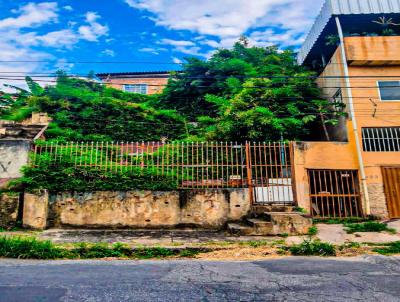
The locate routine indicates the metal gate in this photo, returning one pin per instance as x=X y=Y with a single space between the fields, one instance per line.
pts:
x=335 y=193
x=391 y=180
x=270 y=173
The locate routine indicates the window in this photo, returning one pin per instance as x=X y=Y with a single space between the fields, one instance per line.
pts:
x=389 y=90
x=384 y=139
x=136 y=88
x=338 y=97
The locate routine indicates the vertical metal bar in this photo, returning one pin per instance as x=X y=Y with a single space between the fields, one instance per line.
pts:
x=216 y=161
x=206 y=184
x=212 y=164
x=202 y=165
x=249 y=173
x=91 y=154
x=338 y=194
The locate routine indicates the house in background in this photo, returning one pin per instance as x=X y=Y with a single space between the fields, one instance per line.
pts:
x=354 y=46
x=142 y=82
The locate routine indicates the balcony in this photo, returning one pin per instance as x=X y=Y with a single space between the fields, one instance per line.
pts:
x=373 y=51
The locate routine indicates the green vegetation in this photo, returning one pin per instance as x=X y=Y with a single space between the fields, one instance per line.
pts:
x=31 y=248
x=255 y=243
x=389 y=249
x=350 y=245
x=312 y=231
x=311 y=247
x=245 y=93
x=342 y=220
x=300 y=210
x=369 y=226
x=62 y=176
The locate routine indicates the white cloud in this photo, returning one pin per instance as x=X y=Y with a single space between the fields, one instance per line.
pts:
x=32 y=15
x=177 y=60
x=176 y=42
x=226 y=20
x=68 y=8
x=93 y=30
x=108 y=52
x=19 y=41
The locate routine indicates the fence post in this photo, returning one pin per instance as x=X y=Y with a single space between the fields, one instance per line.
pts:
x=249 y=174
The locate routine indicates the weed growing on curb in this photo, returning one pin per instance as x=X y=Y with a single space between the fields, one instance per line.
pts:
x=311 y=247
x=31 y=248
x=312 y=231
x=369 y=226
x=342 y=220
x=389 y=249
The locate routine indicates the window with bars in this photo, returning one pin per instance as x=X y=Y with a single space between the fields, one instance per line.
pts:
x=136 y=88
x=389 y=90
x=383 y=139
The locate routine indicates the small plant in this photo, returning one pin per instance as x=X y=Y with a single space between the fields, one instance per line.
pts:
x=369 y=226
x=312 y=231
x=389 y=249
x=332 y=40
x=189 y=253
x=284 y=235
x=388 y=32
x=350 y=245
x=300 y=210
x=311 y=247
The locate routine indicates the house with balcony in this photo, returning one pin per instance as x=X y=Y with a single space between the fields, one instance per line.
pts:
x=142 y=82
x=354 y=46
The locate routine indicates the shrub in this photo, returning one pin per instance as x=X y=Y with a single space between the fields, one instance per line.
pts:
x=389 y=249
x=369 y=226
x=62 y=176
x=29 y=248
x=313 y=248
x=312 y=231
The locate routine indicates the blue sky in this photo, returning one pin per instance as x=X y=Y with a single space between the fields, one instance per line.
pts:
x=158 y=31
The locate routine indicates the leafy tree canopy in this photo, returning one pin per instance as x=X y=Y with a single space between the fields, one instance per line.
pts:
x=86 y=110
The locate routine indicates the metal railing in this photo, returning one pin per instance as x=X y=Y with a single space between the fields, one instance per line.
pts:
x=194 y=165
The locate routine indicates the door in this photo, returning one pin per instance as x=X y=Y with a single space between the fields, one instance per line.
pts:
x=391 y=181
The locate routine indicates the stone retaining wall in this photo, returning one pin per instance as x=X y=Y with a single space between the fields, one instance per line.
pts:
x=138 y=209
x=9 y=204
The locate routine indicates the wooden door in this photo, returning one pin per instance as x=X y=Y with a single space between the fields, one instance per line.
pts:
x=391 y=180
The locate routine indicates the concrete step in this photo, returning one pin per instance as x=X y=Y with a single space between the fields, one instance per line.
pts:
x=261 y=209
x=240 y=229
x=292 y=223
x=261 y=227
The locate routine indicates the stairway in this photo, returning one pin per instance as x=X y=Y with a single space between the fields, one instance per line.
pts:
x=271 y=221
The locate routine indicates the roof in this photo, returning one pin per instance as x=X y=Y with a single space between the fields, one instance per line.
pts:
x=332 y=8
x=134 y=74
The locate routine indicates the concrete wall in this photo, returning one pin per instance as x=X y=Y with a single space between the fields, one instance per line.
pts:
x=139 y=209
x=13 y=155
x=9 y=204
x=319 y=155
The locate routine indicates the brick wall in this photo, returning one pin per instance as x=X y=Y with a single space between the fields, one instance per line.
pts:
x=378 y=200
x=119 y=83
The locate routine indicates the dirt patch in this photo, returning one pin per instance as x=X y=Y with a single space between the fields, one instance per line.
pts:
x=240 y=253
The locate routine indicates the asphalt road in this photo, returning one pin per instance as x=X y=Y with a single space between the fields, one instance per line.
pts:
x=369 y=278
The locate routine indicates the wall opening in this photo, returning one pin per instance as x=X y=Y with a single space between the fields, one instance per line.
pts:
x=334 y=193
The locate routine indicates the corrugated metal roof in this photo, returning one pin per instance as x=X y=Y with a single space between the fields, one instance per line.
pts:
x=344 y=7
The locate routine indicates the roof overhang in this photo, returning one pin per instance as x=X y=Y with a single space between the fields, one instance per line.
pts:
x=343 y=9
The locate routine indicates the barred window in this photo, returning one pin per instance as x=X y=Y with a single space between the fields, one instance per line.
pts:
x=389 y=90
x=136 y=88
x=383 y=139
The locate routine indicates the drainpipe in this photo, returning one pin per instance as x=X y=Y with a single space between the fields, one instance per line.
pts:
x=367 y=208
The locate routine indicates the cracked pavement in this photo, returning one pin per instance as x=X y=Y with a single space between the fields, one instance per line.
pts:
x=366 y=278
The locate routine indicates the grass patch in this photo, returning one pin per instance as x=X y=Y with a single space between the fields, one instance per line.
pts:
x=389 y=249
x=311 y=247
x=31 y=248
x=369 y=226
x=342 y=220
x=350 y=245
x=255 y=243
x=312 y=231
